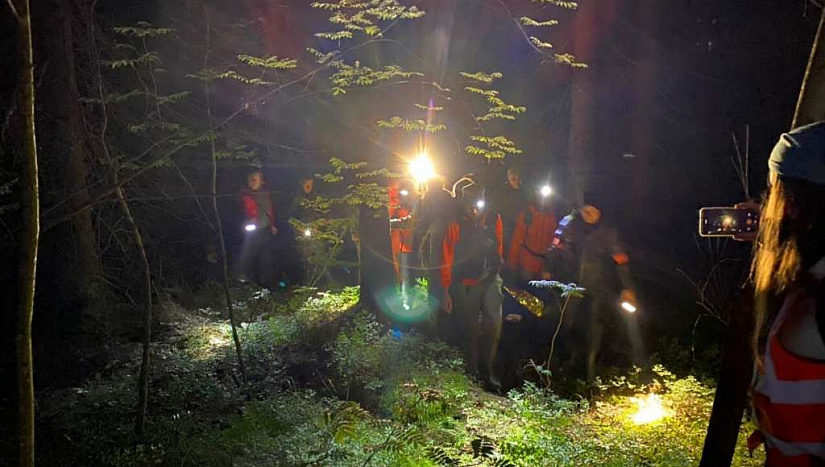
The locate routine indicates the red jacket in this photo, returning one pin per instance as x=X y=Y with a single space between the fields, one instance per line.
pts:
x=401 y=236
x=789 y=397
x=451 y=238
x=535 y=238
x=253 y=205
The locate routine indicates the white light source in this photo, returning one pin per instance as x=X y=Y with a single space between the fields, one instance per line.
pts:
x=307 y=233
x=480 y=204
x=421 y=168
x=250 y=227
x=546 y=191
x=629 y=307
x=649 y=409
x=405 y=192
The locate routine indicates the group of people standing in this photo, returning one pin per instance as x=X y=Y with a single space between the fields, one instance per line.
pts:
x=477 y=240
x=267 y=258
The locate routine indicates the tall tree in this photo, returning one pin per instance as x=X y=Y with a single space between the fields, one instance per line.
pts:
x=30 y=240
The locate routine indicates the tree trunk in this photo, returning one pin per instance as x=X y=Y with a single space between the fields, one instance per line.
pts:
x=218 y=223
x=731 y=396
x=582 y=118
x=376 y=276
x=811 y=104
x=146 y=339
x=30 y=241
x=68 y=164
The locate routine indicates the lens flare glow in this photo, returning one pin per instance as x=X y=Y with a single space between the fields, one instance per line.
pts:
x=422 y=168
x=629 y=307
x=649 y=409
x=307 y=233
x=546 y=191
x=250 y=227
x=405 y=192
x=480 y=204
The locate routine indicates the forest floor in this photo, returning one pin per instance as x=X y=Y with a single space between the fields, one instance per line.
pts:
x=329 y=386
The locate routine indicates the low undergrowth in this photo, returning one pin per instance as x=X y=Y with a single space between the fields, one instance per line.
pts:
x=329 y=386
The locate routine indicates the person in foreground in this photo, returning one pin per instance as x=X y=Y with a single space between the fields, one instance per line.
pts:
x=789 y=268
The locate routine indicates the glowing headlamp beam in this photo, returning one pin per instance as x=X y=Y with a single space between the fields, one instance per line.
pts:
x=250 y=227
x=421 y=168
x=307 y=233
x=546 y=191
x=480 y=204
x=629 y=307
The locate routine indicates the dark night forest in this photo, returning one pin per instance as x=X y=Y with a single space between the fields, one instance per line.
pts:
x=131 y=185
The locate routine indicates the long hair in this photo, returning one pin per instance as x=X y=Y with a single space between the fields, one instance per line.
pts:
x=791 y=240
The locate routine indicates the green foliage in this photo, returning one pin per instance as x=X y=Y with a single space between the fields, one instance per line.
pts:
x=145 y=59
x=364 y=17
x=531 y=22
x=493 y=147
x=272 y=62
x=410 y=125
x=497 y=147
x=569 y=60
x=560 y=3
x=142 y=30
x=539 y=43
x=384 y=401
x=348 y=76
x=480 y=76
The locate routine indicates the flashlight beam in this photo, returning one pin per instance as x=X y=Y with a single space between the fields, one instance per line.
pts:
x=629 y=307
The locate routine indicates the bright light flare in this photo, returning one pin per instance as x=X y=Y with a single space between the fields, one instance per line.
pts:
x=422 y=168
x=405 y=192
x=649 y=409
x=250 y=227
x=480 y=204
x=307 y=233
x=546 y=191
x=629 y=307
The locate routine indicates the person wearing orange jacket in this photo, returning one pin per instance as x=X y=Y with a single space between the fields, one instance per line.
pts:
x=401 y=235
x=531 y=238
x=472 y=250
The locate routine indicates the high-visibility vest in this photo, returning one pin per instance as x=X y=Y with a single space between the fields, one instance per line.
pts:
x=789 y=396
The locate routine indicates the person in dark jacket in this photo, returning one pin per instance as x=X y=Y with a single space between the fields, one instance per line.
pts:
x=431 y=214
x=508 y=200
x=586 y=250
x=257 y=259
x=471 y=262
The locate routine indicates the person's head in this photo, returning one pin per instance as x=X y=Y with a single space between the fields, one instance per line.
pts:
x=470 y=196
x=514 y=178
x=255 y=180
x=307 y=185
x=792 y=222
x=592 y=209
x=590 y=214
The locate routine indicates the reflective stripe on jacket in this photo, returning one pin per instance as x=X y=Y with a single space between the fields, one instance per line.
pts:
x=789 y=395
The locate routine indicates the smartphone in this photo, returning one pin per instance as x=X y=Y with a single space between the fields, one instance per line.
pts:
x=727 y=222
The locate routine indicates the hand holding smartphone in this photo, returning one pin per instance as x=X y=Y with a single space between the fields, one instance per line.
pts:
x=740 y=222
